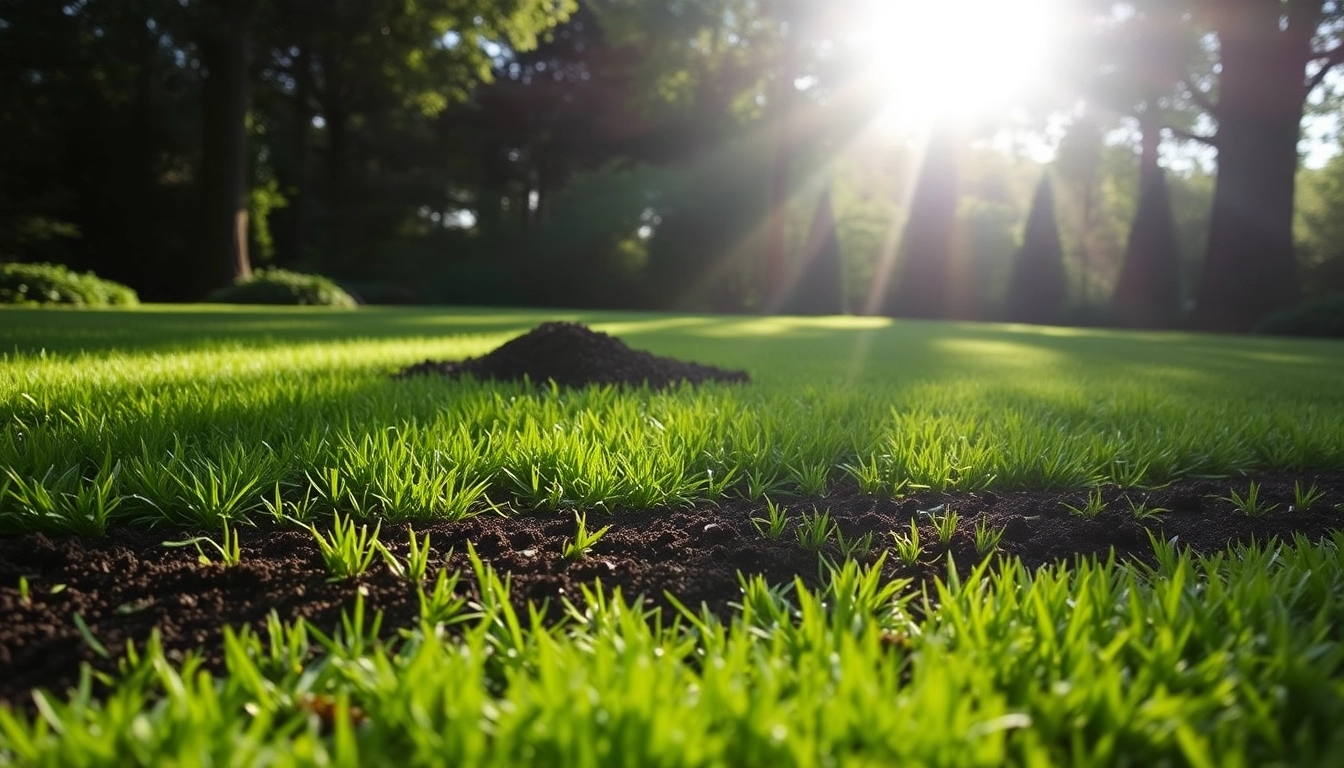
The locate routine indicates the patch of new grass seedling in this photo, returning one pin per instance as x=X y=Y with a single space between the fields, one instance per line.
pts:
x=1304 y=500
x=1250 y=504
x=348 y=552
x=813 y=531
x=854 y=547
x=25 y=592
x=1095 y=663
x=1091 y=508
x=228 y=549
x=577 y=547
x=1141 y=511
x=906 y=545
x=416 y=564
x=776 y=519
x=810 y=478
x=987 y=537
x=945 y=526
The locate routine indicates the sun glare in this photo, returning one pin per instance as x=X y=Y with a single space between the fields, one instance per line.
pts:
x=966 y=58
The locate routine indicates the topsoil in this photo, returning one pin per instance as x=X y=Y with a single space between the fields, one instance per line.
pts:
x=128 y=584
x=573 y=355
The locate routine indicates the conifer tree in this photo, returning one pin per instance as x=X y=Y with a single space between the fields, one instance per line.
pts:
x=1038 y=287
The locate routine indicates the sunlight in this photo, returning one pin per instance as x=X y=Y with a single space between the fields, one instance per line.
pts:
x=961 y=59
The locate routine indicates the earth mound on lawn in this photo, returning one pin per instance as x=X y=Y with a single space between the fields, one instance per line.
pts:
x=574 y=355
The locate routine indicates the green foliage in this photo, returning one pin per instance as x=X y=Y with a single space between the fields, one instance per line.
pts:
x=1250 y=503
x=314 y=425
x=776 y=519
x=945 y=525
x=1321 y=316
x=228 y=549
x=584 y=539
x=346 y=551
x=906 y=545
x=1225 y=659
x=57 y=284
x=814 y=530
x=1090 y=508
x=280 y=286
x=987 y=537
x=1304 y=499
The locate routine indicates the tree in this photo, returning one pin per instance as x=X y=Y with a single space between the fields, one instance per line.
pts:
x=1269 y=63
x=1038 y=287
x=929 y=260
x=818 y=285
x=1148 y=292
x=225 y=42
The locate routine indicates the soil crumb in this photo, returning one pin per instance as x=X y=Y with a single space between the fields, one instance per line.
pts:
x=574 y=355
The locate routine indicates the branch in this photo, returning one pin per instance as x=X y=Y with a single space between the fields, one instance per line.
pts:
x=1329 y=59
x=1200 y=97
x=1181 y=133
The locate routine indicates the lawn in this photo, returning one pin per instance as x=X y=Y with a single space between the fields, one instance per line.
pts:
x=258 y=423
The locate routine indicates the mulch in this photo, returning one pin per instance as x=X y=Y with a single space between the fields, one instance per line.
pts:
x=129 y=583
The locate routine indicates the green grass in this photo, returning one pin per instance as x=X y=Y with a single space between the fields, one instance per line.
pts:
x=209 y=416
x=1227 y=660
x=197 y=415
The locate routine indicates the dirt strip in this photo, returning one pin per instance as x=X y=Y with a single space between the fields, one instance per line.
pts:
x=129 y=583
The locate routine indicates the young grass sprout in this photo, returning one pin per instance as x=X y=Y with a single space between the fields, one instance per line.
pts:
x=583 y=540
x=228 y=549
x=1304 y=500
x=813 y=531
x=773 y=524
x=1142 y=511
x=346 y=551
x=1091 y=508
x=907 y=545
x=854 y=547
x=987 y=537
x=1250 y=504
x=945 y=525
x=416 y=565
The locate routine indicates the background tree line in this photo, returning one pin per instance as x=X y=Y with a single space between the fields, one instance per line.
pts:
x=717 y=154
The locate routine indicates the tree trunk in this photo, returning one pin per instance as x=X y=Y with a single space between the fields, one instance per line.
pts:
x=303 y=132
x=225 y=54
x=781 y=178
x=1249 y=267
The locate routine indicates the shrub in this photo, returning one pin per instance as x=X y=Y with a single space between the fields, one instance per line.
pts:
x=1319 y=316
x=280 y=286
x=57 y=284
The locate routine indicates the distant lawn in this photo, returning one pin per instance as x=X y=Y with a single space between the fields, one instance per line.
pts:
x=194 y=413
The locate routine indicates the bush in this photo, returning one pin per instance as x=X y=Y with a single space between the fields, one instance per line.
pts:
x=1320 y=316
x=57 y=284
x=280 y=286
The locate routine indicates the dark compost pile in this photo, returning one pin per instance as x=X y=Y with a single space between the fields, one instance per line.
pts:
x=573 y=355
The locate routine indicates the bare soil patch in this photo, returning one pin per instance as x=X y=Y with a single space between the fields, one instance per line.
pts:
x=128 y=584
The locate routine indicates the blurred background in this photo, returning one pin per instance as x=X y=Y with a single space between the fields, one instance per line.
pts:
x=1152 y=163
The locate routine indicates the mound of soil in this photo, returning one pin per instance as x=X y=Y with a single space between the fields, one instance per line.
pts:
x=128 y=584
x=574 y=355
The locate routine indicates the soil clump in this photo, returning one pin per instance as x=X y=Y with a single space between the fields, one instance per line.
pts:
x=574 y=355
x=128 y=584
